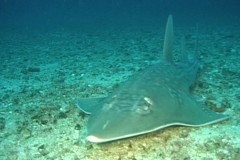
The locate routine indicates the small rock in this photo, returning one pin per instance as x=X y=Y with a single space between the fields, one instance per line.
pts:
x=221 y=155
x=2 y=123
x=42 y=150
x=184 y=134
x=26 y=133
x=77 y=127
x=62 y=115
x=33 y=69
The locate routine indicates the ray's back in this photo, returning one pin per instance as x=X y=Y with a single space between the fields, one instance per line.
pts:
x=162 y=75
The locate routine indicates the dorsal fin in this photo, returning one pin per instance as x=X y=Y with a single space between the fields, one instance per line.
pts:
x=184 y=57
x=196 y=45
x=168 y=41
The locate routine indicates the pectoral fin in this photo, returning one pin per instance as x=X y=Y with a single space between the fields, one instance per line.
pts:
x=89 y=105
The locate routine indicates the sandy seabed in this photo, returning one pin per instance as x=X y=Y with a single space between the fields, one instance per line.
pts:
x=44 y=72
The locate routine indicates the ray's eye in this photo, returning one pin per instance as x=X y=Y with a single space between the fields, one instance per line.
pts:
x=143 y=110
x=148 y=100
x=144 y=106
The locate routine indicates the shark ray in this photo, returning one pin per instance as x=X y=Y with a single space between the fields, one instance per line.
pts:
x=154 y=98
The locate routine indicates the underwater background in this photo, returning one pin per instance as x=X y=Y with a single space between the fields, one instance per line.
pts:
x=55 y=51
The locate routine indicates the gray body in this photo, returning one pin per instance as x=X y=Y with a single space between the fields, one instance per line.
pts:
x=153 y=99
